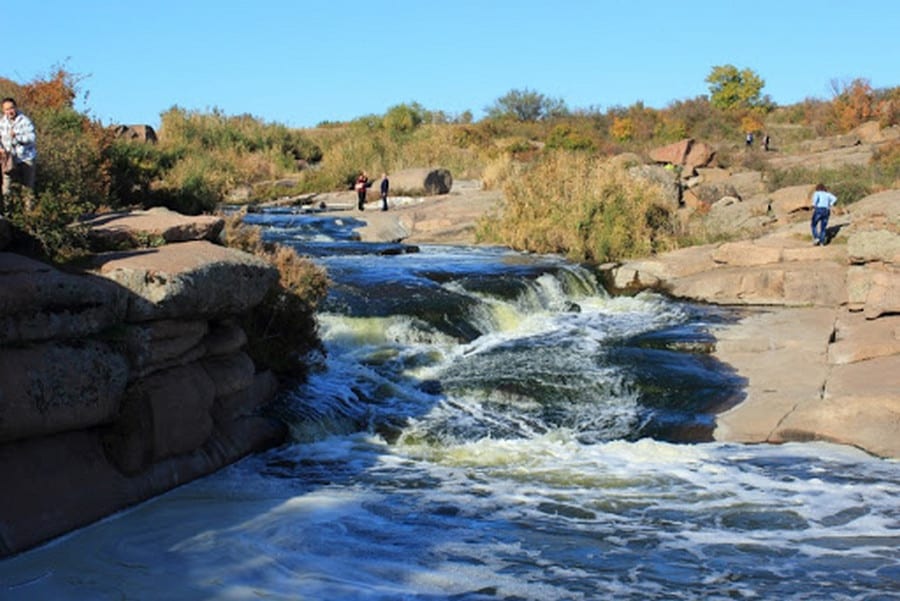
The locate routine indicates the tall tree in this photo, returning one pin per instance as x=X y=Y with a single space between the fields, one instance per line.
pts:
x=733 y=89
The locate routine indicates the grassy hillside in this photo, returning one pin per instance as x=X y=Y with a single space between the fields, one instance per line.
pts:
x=544 y=155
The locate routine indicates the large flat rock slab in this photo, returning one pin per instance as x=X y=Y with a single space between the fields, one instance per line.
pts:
x=794 y=284
x=187 y=280
x=796 y=391
x=782 y=354
x=152 y=227
x=445 y=219
x=860 y=406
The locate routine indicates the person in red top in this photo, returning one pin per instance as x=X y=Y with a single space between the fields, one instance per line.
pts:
x=362 y=184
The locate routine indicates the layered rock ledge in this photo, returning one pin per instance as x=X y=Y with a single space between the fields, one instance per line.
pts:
x=127 y=379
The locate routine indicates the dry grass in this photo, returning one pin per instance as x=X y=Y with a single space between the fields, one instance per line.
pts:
x=583 y=207
x=282 y=329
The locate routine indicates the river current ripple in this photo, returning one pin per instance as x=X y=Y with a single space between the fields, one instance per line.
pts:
x=490 y=425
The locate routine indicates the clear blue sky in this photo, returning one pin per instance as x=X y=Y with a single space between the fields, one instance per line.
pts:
x=302 y=62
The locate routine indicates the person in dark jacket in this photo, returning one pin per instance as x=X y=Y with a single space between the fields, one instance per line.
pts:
x=385 y=184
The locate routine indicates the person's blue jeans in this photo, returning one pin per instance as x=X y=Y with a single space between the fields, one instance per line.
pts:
x=820 y=223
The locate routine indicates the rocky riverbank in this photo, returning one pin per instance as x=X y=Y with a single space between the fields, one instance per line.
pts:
x=820 y=342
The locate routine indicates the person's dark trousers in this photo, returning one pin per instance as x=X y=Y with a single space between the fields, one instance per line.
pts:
x=820 y=224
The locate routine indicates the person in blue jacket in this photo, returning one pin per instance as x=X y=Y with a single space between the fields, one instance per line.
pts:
x=822 y=201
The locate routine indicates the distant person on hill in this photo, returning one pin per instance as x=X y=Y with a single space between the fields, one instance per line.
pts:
x=18 y=151
x=362 y=184
x=385 y=184
x=822 y=201
x=765 y=143
x=749 y=139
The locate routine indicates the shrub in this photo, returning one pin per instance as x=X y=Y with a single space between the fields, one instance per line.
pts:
x=72 y=177
x=212 y=152
x=622 y=129
x=669 y=130
x=194 y=185
x=699 y=118
x=72 y=159
x=634 y=124
x=471 y=136
x=853 y=104
x=403 y=118
x=282 y=329
x=565 y=137
x=49 y=230
x=497 y=171
x=133 y=168
x=526 y=105
x=886 y=165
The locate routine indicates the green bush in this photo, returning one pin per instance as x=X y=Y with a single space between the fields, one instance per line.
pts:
x=564 y=137
x=133 y=168
x=50 y=229
x=71 y=157
x=212 y=152
x=403 y=119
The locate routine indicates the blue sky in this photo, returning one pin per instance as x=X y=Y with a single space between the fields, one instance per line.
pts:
x=303 y=62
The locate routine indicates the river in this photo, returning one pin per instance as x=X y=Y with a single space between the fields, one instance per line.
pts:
x=491 y=425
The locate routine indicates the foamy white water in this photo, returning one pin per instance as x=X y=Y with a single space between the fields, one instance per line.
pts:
x=544 y=518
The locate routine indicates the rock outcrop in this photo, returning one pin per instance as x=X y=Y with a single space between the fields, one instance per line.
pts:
x=687 y=154
x=126 y=380
x=419 y=181
x=826 y=364
x=137 y=133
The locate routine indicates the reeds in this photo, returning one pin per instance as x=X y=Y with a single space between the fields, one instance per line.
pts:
x=583 y=207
